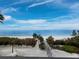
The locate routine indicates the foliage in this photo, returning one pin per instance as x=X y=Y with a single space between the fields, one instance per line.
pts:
x=35 y=35
x=50 y=41
x=70 y=45
x=74 y=33
x=1 y=18
x=59 y=42
x=17 y=41
x=42 y=46
x=74 y=41
x=70 y=49
x=40 y=38
x=30 y=41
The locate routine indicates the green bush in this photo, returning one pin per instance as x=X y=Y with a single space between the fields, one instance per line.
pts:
x=40 y=38
x=70 y=49
x=50 y=41
x=42 y=46
x=74 y=41
x=59 y=42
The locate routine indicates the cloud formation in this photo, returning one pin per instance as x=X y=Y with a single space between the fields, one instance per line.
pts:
x=7 y=17
x=40 y=3
x=39 y=21
x=69 y=21
x=9 y=10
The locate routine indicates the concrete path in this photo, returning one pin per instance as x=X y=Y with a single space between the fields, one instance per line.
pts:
x=48 y=49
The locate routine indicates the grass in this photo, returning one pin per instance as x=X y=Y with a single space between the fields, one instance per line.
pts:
x=67 y=48
x=70 y=49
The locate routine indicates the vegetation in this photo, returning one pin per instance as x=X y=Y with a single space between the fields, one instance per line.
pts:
x=67 y=48
x=59 y=42
x=40 y=38
x=74 y=41
x=26 y=41
x=1 y=18
x=42 y=46
x=70 y=49
x=78 y=32
x=74 y=33
x=50 y=41
x=17 y=41
x=70 y=44
x=30 y=41
x=35 y=35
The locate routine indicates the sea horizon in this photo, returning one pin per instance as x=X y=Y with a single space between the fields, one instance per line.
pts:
x=28 y=33
x=40 y=32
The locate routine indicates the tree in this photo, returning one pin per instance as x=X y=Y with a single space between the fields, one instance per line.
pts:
x=42 y=46
x=61 y=42
x=40 y=38
x=35 y=35
x=1 y=18
x=50 y=41
x=78 y=32
x=74 y=33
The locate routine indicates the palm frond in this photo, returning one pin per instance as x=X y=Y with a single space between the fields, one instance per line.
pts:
x=1 y=18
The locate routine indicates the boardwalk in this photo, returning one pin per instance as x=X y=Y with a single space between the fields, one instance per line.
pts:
x=48 y=49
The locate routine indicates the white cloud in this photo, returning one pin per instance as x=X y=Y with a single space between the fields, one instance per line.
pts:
x=44 y=25
x=39 y=21
x=21 y=1
x=9 y=10
x=40 y=3
x=76 y=5
x=48 y=27
x=75 y=8
x=7 y=17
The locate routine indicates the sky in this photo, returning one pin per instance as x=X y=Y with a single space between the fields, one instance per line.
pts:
x=40 y=14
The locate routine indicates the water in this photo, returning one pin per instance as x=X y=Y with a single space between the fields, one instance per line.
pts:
x=30 y=32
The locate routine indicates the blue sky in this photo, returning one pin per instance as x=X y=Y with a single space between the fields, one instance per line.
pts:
x=40 y=14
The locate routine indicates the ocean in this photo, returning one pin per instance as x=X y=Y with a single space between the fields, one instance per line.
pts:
x=30 y=32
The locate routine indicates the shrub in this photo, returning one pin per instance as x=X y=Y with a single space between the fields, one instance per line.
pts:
x=50 y=41
x=40 y=38
x=70 y=49
x=30 y=41
x=35 y=35
x=42 y=46
x=17 y=41
x=59 y=42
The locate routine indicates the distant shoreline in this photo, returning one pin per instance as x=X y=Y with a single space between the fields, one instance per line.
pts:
x=55 y=37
